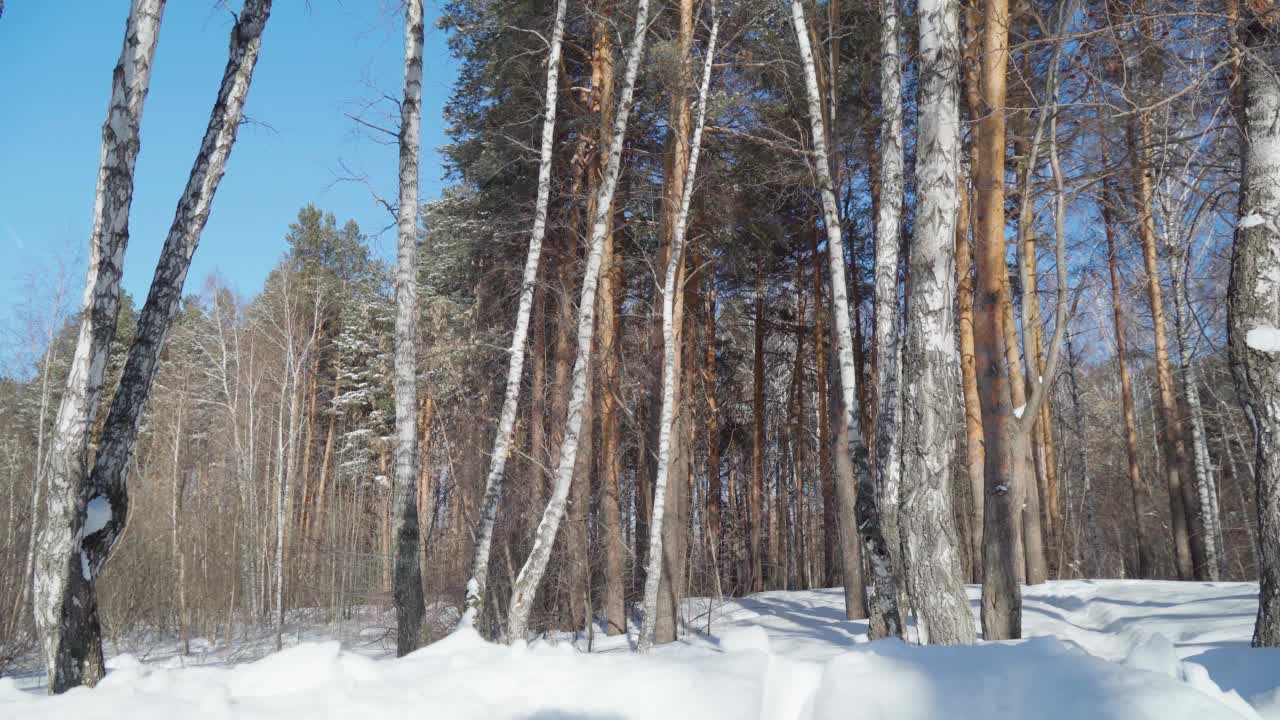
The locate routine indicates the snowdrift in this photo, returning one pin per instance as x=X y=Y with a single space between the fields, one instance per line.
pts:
x=1122 y=650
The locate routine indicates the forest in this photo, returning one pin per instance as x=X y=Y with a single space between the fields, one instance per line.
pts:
x=722 y=297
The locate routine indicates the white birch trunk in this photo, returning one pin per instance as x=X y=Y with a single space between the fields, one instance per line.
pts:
x=409 y=603
x=59 y=570
x=1254 y=303
x=653 y=574
x=885 y=618
x=1200 y=450
x=515 y=369
x=530 y=576
x=100 y=508
x=887 y=342
x=38 y=477
x=933 y=572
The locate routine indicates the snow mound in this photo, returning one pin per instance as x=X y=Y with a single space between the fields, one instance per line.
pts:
x=1116 y=650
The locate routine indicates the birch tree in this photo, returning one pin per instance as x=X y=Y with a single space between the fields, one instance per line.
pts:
x=889 y=347
x=408 y=572
x=885 y=618
x=474 y=603
x=526 y=584
x=61 y=572
x=653 y=574
x=97 y=514
x=934 y=577
x=1254 y=298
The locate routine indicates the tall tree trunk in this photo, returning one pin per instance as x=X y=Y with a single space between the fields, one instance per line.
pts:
x=1036 y=568
x=1002 y=541
x=610 y=349
x=68 y=628
x=974 y=453
x=830 y=527
x=578 y=570
x=1041 y=462
x=98 y=513
x=1254 y=301
x=888 y=347
x=885 y=618
x=756 y=493
x=714 y=506
x=530 y=576
x=515 y=369
x=1175 y=451
x=935 y=579
x=409 y=603
x=1145 y=561
x=1092 y=560
x=1206 y=495
x=682 y=155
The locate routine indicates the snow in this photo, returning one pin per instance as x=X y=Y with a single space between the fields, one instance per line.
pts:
x=1096 y=649
x=1264 y=338
x=97 y=515
x=1017 y=412
x=1250 y=220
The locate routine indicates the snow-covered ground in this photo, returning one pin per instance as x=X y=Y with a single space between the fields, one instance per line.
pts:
x=1097 y=649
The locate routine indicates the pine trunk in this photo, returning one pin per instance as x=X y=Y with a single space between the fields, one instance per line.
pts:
x=1001 y=536
x=1175 y=452
x=1145 y=563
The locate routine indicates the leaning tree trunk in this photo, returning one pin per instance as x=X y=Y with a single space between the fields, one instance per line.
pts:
x=515 y=368
x=65 y=621
x=530 y=576
x=930 y=544
x=410 y=607
x=654 y=574
x=101 y=506
x=885 y=618
x=887 y=340
x=1254 y=301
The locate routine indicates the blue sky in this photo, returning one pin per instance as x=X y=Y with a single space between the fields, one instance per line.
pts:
x=320 y=60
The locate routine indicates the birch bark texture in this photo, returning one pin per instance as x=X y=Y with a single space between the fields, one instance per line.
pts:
x=474 y=603
x=110 y=467
x=531 y=572
x=405 y=531
x=885 y=617
x=61 y=572
x=887 y=342
x=931 y=560
x=1254 y=301
x=653 y=575
x=103 y=502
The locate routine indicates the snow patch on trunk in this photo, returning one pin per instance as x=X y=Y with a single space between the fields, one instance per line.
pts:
x=1264 y=338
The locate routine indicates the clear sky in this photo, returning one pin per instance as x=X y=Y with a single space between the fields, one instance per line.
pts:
x=320 y=60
